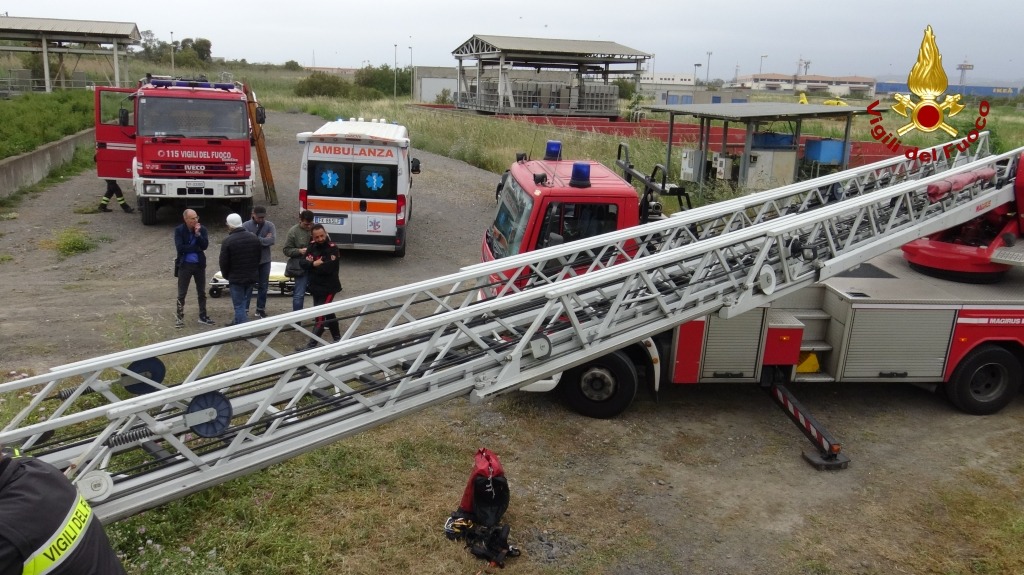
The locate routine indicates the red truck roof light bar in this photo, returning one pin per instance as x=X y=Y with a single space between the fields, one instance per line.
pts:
x=162 y=83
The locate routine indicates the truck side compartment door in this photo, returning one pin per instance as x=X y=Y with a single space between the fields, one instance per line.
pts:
x=115 y=144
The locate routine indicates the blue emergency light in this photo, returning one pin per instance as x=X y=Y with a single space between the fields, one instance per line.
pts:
x=553 y=151
x=165 y=83
x=580 y=177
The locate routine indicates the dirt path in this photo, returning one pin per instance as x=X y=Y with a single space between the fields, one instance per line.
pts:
x=710 y=476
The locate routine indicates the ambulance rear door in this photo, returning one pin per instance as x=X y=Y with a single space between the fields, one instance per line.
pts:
x=355 y=199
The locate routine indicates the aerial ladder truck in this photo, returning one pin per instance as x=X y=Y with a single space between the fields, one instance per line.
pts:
x=141 y=427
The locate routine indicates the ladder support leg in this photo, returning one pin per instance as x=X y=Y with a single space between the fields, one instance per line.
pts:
x=829 y=452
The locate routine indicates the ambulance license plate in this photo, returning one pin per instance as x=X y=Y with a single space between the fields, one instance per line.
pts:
x=328 y=221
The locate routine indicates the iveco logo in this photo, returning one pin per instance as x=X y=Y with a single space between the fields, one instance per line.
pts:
x=194 y=167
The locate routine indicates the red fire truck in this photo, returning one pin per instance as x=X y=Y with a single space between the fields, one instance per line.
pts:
x=183 y=143
x=881 y=321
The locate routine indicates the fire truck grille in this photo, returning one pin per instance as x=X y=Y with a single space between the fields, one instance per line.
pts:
x=193 y=191
x=197 y=170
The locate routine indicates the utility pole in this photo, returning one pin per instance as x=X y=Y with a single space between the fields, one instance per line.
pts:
x=707 y=71
x=412 y=73
x=172 y=53
x=396 y=72
x=761 y=67
x=695 y=66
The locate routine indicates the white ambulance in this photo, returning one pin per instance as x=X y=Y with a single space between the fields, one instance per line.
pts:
x=356 y=178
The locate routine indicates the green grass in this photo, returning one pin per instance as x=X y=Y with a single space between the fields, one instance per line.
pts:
x=32 y=120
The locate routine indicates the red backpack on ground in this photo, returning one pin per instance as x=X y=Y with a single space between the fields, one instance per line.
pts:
x=484 y=502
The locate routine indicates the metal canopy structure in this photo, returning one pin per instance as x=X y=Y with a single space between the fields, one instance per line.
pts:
x=497 y=55
x=68 y=37
x=752 y=115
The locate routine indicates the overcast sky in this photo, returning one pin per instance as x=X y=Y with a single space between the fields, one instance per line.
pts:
x=867 y=38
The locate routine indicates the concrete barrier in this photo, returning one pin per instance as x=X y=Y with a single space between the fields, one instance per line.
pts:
x=31 y=167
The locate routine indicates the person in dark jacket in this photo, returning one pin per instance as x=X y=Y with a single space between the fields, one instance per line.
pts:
x=191 y=241
x=240 y=265
x=322 y=262
x=46 y=526
x=265 y=231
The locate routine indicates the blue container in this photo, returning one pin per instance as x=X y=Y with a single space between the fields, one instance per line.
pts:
x=770 y=140
x=827 y=152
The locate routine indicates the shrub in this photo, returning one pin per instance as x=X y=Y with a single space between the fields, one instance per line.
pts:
x=321 y=84
x=444 y=98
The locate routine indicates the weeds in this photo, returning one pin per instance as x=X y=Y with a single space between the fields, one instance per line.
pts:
x=72 y=241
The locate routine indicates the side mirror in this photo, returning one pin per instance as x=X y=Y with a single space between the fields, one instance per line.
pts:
x=415 y=166
x=122 y=117
x=261 y=115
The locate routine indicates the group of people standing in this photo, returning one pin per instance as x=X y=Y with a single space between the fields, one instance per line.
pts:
x=245 y=258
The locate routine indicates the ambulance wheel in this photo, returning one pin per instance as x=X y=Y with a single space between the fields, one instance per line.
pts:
x=215 y=292
x=400 y=252
x=602 y=388
x=985 y=381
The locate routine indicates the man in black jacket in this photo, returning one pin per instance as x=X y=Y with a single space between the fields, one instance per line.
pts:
x=46 y=526
x=322 y=262
x=190 y=242
x=239 y=264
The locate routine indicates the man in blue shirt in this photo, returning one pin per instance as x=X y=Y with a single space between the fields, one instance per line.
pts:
x=191 y=241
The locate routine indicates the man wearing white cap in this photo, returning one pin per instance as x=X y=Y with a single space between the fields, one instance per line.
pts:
x=239 y=264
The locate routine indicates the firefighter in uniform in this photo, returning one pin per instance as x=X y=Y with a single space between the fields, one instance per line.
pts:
x=46 y=527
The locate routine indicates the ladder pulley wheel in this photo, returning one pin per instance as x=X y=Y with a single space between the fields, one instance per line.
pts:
x=212 y=400
x=150 y=367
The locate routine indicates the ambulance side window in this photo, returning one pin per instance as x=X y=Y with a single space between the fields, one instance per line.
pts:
x=328 y=179
x=374 y=182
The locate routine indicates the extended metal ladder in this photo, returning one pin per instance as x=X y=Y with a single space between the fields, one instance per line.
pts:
x=138 y=428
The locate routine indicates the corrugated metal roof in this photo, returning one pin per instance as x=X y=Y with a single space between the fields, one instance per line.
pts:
x=599 y=49
x=55 y=29
x=759 y=111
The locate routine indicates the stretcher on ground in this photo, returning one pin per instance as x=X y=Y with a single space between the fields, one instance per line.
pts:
x=279 y=283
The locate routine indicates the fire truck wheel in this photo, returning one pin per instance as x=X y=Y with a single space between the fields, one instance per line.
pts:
x=602 y=388
x=985 y=381
x=149 y=213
